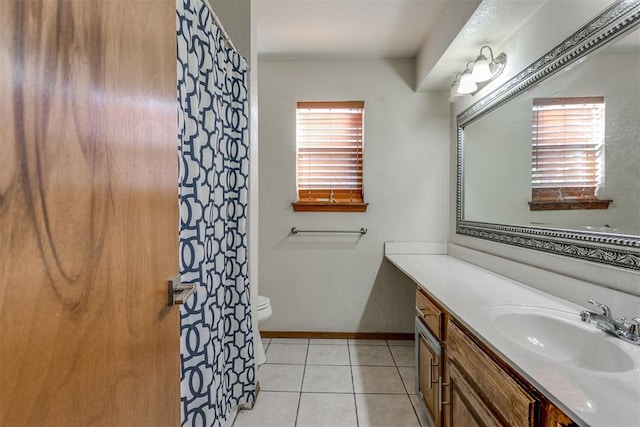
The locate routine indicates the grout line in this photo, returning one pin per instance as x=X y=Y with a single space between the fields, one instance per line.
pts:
x=415 y=410
x=289 y=363
x=353 y=392
x=380 y=393
x=304 y=371
x=353 y=385
x=404 y=386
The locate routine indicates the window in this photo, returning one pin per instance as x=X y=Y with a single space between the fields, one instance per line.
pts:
x=329 y=148
x=567 y=163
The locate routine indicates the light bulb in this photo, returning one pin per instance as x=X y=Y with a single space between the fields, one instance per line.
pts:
x=453 y=91
x=467 y=84
x=481 y=69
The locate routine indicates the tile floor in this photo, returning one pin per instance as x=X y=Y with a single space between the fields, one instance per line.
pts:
x=334 y=383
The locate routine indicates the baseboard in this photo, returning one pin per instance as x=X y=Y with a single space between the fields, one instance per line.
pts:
x=338 y=335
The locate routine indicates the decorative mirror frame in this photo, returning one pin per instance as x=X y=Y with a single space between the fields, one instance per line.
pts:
x=613 y=249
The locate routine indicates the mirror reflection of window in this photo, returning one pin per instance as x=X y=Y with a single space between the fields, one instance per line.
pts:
x=567 y=163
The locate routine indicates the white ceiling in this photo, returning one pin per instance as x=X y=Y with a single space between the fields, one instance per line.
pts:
x=344 y=28
x=386 y=29
x=391 y=29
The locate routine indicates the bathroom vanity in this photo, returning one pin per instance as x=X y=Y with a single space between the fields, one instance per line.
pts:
x=492 y=351
x=468 y=384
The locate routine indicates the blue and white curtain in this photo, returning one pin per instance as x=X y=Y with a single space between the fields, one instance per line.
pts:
x=217 y=364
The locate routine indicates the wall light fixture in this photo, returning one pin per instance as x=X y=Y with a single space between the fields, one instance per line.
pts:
x=477 y=74
x=453 y=93
x=467 y=82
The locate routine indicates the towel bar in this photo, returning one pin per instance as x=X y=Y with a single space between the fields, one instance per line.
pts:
x=363 y=230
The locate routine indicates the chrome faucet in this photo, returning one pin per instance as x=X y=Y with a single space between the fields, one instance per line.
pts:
x=629 y=332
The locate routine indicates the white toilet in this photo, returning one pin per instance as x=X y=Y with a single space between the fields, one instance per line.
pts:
x=264 y=313
x=264 y=309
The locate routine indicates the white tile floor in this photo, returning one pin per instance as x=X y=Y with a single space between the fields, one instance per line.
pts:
x=333 y=383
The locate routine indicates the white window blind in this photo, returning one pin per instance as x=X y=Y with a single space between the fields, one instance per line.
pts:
x=568 y=146
x=329 y=143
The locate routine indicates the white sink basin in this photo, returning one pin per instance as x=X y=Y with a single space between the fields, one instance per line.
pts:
x=560 y=336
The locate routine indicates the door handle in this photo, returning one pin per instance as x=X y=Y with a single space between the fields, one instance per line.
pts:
x=179 y=292
x=432 y=365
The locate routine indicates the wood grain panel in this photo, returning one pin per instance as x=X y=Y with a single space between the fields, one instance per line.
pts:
x=465 y=407
x=498 y=389
x=88 y=213
x=329 y=207
x=554 y=417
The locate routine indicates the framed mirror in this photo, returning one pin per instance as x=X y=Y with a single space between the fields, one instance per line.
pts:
x=525 y=180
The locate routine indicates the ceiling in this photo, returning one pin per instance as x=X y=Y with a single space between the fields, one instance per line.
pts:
x=344 y=28
x=295 y=29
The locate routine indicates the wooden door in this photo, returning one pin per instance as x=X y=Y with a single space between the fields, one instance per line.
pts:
x=429 y=372
x=88 y=213
x=465 y=407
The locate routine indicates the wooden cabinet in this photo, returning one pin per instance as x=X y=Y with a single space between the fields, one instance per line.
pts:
x=477 y=383
x=463 y=383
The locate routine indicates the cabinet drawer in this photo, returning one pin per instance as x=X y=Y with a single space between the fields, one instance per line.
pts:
x=499 y=391
x=429 y=313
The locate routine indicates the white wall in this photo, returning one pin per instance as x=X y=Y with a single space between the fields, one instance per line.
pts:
x=559 y=19
x=236 y=17
x=342 y=283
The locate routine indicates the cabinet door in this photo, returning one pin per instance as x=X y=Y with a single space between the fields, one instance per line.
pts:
x=464 y=407
x=500 y=391
x=429 y=372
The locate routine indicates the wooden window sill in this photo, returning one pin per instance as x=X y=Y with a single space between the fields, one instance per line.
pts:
x=329 y=207
x=554 y=205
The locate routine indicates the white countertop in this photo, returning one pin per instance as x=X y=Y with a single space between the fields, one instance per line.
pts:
x=590 y=398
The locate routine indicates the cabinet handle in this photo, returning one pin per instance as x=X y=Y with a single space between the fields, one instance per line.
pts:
x=441 y=402
x=431 y=381
x=421 y=313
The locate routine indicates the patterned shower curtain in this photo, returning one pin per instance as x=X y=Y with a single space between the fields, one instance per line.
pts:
x=217 y=364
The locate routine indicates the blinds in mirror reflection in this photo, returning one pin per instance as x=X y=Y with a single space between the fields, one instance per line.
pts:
x=568 y=145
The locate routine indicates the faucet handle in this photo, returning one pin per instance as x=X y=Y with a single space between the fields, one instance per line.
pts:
x=585 y=316
x=605 y=310
x=634 y=327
